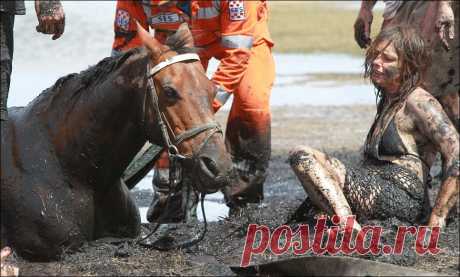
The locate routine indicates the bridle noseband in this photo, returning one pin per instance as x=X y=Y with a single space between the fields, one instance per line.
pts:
x=175 y=157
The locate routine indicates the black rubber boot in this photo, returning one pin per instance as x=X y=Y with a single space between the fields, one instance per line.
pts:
x=246 y=186
x=182 y=203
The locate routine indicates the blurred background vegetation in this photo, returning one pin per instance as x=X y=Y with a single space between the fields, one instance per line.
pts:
x=316 y=27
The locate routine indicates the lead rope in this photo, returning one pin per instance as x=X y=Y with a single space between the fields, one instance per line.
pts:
x=186 y=244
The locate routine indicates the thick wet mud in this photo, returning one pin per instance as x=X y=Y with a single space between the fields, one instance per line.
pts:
x=338 y=131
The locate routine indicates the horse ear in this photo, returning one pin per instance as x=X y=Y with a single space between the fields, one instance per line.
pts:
x=149 y=41
x=184 y=32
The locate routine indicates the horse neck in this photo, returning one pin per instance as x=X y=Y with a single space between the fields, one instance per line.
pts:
x=97 y=139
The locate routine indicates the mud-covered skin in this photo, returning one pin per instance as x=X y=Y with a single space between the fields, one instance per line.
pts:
x=378 y=191
x=385 y=72
x=453 y=170
x=425 y=129
x=323 y=179
x=434 y=125
x=372 y=190
x=51 y=17
x=392 y=72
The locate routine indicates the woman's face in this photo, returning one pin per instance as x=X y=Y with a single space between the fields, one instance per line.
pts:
x=385 y=68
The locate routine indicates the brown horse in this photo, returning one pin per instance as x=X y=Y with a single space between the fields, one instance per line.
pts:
x=63 y=155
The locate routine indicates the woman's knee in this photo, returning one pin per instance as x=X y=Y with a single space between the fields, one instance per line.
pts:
x=301 y=156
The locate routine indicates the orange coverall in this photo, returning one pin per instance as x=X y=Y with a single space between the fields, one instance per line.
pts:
x=236 y=33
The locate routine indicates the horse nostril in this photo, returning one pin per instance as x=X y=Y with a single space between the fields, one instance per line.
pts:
x=210 y=165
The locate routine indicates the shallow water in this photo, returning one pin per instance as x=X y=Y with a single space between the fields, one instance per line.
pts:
x=214 y=205
x=214 y=211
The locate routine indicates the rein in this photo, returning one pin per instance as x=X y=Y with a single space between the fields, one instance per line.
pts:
x=175 y=157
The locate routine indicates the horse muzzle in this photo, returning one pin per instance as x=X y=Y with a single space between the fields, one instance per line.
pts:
x=208 y=175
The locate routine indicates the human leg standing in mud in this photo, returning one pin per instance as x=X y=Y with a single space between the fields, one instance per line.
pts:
x=409 y=129
x=235 y=33
x=437 y=22
x=248 y=135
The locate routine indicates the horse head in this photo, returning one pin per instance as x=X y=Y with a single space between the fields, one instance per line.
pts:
x=179 y=104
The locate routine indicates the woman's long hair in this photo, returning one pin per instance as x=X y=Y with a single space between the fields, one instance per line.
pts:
x=413 y=59
x=413 y=55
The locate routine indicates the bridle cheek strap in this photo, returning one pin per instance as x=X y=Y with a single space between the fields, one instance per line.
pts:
x=171 y=145
x=152 y=86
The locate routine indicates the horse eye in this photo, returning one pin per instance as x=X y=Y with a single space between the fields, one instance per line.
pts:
x=170 y=93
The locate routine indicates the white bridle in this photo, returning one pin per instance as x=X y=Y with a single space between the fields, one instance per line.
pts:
x=172 y=60
x=171 y=143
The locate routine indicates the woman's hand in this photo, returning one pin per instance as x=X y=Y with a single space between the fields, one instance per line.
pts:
x=432 y=122
x=446 y=200
x=444 y=23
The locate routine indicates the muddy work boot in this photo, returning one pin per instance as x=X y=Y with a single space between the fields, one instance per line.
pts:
x=182 y=203
x=246 y=186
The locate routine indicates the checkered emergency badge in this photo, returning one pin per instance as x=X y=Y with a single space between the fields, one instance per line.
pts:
x=236 y=9
x=122 y=20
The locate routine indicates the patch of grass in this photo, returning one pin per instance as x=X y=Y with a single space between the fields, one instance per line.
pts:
x=313 y=26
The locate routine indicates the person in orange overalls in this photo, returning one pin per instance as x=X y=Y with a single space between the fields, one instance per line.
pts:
x=236 y=33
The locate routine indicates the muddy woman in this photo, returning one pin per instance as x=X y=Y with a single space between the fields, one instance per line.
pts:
x=409 y=129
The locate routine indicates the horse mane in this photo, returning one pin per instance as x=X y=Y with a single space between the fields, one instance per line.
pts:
x=73 y=85
x=96 y=73
x=68 y=88
x=177 y=43
x=87 y=78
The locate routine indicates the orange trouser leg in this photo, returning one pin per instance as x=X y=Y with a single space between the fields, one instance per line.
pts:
x=248 y=134
x=163 y=161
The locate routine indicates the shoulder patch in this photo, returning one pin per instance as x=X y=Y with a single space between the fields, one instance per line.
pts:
x=236 y=10
x=122 y=19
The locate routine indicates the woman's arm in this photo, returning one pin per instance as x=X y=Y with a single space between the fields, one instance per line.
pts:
x=431 y=120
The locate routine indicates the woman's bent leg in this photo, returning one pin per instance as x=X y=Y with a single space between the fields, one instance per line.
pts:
x=322 y=179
